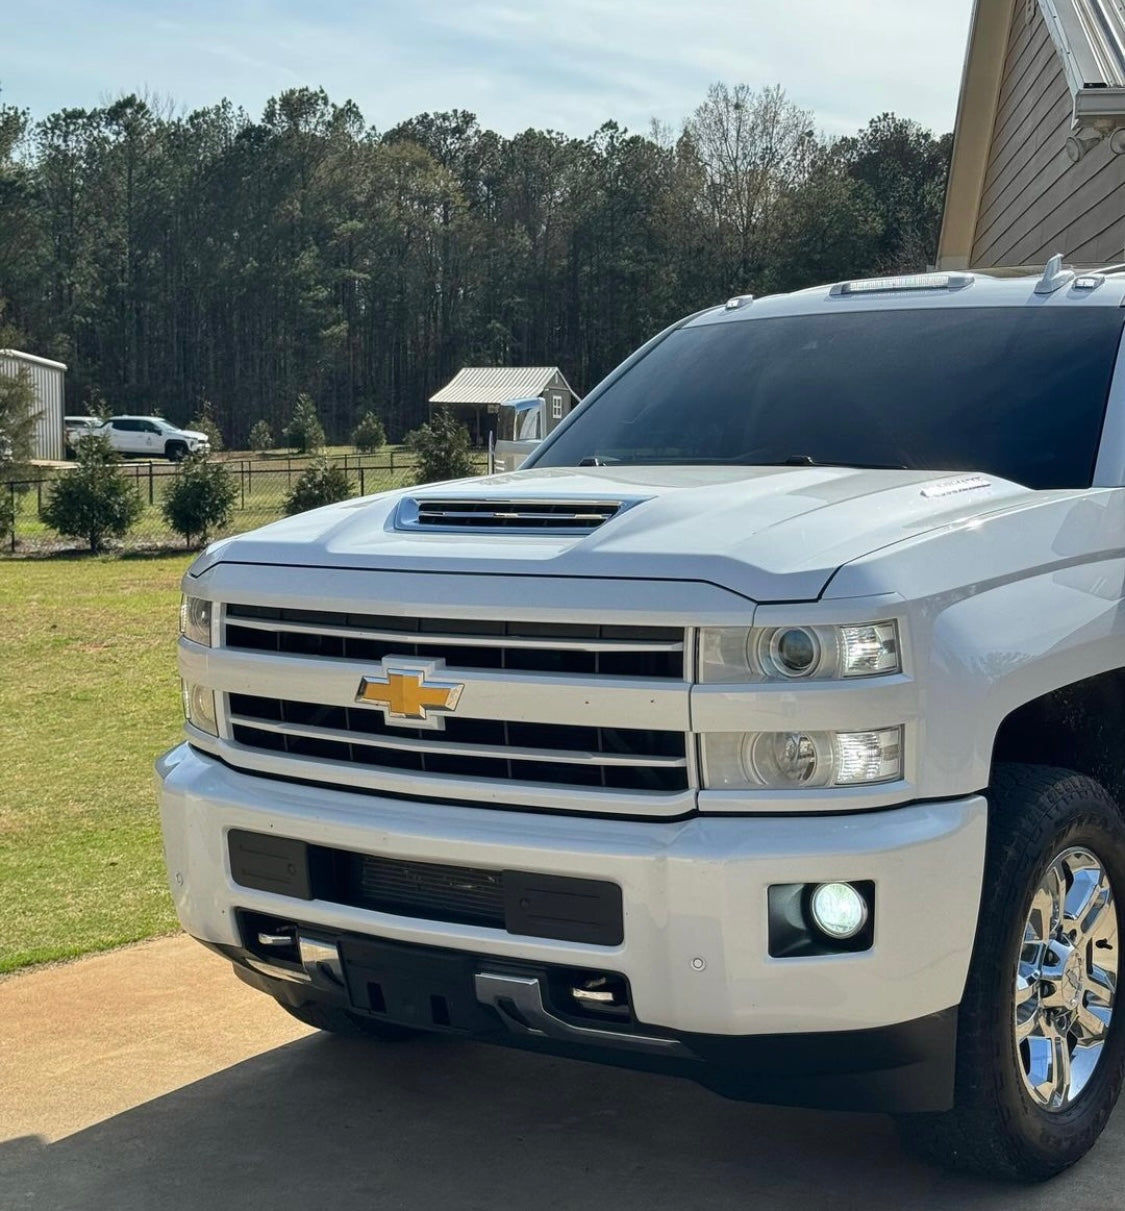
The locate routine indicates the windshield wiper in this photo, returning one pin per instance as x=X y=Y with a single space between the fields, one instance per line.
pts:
x=806 y=460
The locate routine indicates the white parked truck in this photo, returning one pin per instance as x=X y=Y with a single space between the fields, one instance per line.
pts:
x=152 y=437
x=766 y=729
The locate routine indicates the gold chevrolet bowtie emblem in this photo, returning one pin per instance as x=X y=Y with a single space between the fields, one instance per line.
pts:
x=407 y=692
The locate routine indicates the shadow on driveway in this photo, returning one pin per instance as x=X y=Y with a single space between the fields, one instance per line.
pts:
x=326 y=1123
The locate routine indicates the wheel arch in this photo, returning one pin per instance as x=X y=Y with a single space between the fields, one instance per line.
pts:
x=1078 y=726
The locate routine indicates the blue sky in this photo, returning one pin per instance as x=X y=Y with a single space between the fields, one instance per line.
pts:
x=564 y=64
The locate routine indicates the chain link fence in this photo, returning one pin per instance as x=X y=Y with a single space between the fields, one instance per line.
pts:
x=263 y=484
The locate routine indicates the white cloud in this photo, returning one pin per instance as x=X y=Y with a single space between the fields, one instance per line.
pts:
x=566 y=64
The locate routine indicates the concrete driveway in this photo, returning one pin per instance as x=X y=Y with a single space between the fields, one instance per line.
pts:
x=150 y=1078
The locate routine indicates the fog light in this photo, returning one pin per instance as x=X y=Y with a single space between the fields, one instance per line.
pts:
x=199 y=708
x=838 y=910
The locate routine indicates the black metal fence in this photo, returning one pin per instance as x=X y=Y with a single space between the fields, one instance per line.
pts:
x=263 y=487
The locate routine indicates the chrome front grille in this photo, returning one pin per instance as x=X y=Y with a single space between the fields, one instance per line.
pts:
x=560 y=754
x=574 y=648
x=536 y=707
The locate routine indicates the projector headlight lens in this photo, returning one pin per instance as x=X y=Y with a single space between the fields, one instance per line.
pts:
x=794 y=652
x=838 y=910
x=801 y=760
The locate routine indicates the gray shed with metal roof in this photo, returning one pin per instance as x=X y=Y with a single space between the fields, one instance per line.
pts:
x=475 y=394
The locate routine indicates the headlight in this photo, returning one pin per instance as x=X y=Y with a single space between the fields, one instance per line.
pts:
x=821 y=653
x=800 y=760
x=199 y=708
x=195 y=620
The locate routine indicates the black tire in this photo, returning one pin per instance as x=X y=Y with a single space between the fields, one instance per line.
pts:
x=348 y=1025
x=175 y=451
x=996 y=1129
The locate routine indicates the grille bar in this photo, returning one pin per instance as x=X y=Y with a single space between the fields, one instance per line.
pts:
x=461 y=640
x=560 y=754
x=577 y=649
x=502 y=752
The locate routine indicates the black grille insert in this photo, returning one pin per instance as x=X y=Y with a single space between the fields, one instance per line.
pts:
x=567 y=648
x=534 y=905
x=654 y=761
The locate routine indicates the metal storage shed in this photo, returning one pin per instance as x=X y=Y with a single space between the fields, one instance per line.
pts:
x=47 y=379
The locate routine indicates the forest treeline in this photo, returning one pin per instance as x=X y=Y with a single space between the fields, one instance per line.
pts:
x=172 y=259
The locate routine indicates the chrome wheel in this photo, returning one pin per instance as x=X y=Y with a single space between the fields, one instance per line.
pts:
x=1066 y=979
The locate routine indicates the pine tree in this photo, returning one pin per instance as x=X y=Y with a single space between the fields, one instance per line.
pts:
x=304 y=432
x=200 y=500
x=369 y=434
x=93 y=501
x=318 y=485
x=442 y=449
x=261 y=437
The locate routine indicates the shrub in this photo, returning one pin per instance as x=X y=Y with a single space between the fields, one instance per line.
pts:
x=7 y=513
x=261 y=437
x=93 y=502
x=442 y=449
x=204 y=421
x=17 y=425
x=200 y=499
x=318 y=485
x=369 y=434
x=304 y=432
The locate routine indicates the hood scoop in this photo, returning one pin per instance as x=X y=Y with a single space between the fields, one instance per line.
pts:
x=511 y=515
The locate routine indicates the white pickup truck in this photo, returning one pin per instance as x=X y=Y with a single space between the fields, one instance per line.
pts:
x=152 y=437
x=766 y=729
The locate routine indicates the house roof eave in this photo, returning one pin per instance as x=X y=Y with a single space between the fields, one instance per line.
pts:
x=981 y=77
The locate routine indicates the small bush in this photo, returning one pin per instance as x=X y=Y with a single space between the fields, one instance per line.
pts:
x=261 y=437
x=318 y=485
x=369 y=434
x=442 y=448
x=304 y=432
x=18 y=416
x=7 y=514
x=93 y=502
x=200 y=500
x=204 y=422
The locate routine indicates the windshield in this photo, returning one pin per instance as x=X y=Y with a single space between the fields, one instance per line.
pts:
x=1014 y=391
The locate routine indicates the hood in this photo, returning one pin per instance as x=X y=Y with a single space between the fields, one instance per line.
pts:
x=768 y=533
x=195 y=435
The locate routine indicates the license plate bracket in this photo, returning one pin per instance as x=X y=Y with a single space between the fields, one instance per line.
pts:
x=429 y=989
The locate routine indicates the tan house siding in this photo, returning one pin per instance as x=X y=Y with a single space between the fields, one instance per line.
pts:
x=1035 y=202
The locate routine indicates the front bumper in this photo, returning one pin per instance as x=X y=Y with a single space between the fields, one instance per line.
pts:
x=904 y=1069
x=694 y=892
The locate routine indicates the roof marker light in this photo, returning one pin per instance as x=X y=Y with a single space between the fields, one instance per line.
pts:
x=908 y=281
x=1088 y=281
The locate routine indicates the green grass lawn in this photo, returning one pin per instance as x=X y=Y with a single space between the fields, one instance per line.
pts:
x=89 y=695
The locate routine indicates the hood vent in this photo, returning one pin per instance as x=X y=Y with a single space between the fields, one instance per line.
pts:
x=479 y=515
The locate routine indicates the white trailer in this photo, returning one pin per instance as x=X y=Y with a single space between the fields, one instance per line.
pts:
x=48 y=380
